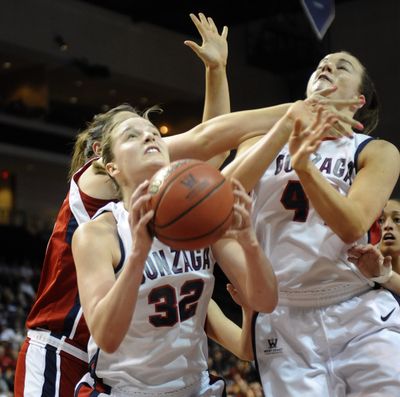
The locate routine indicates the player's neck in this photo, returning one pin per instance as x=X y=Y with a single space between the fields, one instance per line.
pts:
x=396 y=263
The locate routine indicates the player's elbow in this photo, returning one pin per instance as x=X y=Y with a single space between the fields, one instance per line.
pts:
x=352 y=233
x=267 y=307
x=246 y=355
x=108 y=343
x=267 y=302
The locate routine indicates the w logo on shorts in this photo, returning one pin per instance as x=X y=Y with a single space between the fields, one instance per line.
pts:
x=271 y=346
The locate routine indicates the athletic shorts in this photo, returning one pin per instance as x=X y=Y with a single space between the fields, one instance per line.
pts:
x=347 y=349
x=208 y=386
x=45 y=370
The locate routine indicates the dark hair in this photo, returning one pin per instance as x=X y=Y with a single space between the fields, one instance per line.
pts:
x=83 y=147
x=368 y=115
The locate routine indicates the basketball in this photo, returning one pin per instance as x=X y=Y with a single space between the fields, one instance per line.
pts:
x=192 y=203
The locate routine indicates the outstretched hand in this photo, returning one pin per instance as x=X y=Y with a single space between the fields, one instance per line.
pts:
x=241 y=228
x=305 y=140
x=214 y=48
x=305 y=110
x=369 y=260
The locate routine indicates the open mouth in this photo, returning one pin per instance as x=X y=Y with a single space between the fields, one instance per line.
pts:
x=152 y=149
x=388 y=237
x=324 y=77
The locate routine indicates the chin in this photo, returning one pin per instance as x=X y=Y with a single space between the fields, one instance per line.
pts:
x=392 y=250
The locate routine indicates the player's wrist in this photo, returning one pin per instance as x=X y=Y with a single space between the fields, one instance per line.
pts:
x=384 y=277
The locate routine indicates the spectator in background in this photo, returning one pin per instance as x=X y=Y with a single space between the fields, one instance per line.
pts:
x=382 y=263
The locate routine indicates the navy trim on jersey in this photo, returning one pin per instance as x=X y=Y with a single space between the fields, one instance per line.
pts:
x=71 y=317
x=98 y=383
x=253 y=343
x=50 y=372
x=79 y=387
x=122 y=260
x=216 y=378
x=71 y=227
x=121 y=246
x=358 y=151
x=397 y=297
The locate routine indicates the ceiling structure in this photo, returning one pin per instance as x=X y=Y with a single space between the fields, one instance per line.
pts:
x=46 y=97
x=67 y=94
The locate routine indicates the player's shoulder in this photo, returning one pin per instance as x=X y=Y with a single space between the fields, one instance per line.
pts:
x=380 y=147
x=379 y=152
x=102 y=227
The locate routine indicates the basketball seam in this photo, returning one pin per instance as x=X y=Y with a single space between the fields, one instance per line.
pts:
x=182 y=214
x=195 y=237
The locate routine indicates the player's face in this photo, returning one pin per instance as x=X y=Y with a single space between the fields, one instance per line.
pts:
x=139 y=150
x=341 y=70
x=390 y=223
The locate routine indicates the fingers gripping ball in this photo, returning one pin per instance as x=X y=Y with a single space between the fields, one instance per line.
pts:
x=192 y=203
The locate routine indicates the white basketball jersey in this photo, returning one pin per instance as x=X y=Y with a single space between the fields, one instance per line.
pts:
x=165 y=348
x=309 y=259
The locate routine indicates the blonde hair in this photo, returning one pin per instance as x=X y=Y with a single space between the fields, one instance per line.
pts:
x=83 y=147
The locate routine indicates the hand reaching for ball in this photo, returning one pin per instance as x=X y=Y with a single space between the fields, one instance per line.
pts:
x=241 y=228
x=139 y=217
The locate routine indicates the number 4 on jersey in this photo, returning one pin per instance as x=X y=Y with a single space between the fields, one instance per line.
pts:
x=294 y=198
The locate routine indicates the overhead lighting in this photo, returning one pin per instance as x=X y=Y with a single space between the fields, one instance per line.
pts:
x=164 y=130
x=7 y=65
x=73 y=100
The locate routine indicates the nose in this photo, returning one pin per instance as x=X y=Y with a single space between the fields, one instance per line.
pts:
x=148 y=136
x=388 y=224
x=327 y=66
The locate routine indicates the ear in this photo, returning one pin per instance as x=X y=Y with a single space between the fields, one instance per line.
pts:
x=112 y=169
x=362 y=100
x=96 y=148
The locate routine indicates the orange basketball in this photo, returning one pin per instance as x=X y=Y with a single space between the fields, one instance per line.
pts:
x=193 y=204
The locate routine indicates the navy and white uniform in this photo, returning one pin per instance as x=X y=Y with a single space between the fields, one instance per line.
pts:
x=165 y=349
x=331 y=334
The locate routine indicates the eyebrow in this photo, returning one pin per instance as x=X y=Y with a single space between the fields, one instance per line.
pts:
x=130 y=128
x=346 y=61
x=340 y=60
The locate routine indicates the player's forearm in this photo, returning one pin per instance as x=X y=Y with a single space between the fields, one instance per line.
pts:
x=228 y=334
x=224 y=132
x=249 y=167
x=261 y=283
x=217 y=100
x=338 y=212
x=246 y=345
x=112 y=315
x=341 y=214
